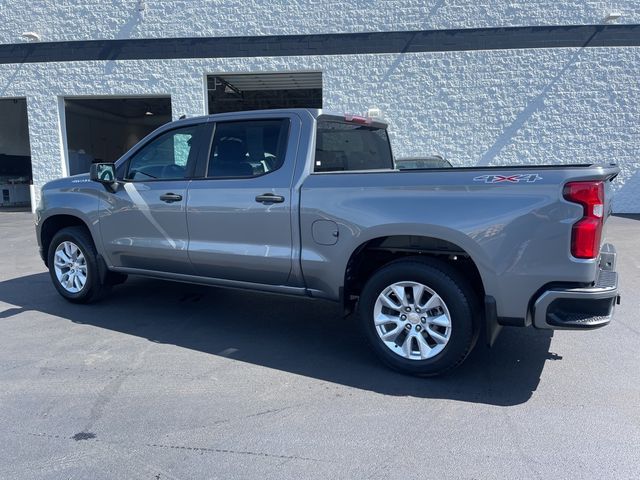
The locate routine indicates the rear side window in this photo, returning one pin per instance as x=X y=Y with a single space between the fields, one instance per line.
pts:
x=247 y=149
x=344 y=146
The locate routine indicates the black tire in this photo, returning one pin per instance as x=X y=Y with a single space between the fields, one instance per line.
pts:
x=454 y=290
x=93 y=287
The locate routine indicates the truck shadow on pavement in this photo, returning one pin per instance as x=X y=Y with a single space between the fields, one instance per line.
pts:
x=304 y=337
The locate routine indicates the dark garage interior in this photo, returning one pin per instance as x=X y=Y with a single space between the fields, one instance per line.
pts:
x=237 y=92
x=102 y=129
x=15 y=154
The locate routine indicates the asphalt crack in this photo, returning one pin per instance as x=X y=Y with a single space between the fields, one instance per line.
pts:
x=92 y=436
x=236 y=452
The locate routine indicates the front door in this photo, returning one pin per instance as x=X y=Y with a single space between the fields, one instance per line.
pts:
x=144 y=224
x=239 y=212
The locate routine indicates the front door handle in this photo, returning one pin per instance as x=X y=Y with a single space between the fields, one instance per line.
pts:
x=170 y=197
x=269 y=198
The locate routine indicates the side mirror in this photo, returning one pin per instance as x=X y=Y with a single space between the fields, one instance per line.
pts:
x=104 y=173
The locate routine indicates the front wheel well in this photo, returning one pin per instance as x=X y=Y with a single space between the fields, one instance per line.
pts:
x=54 y=224
x=376 y=253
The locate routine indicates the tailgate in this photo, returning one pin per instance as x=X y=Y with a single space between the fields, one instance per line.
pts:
x=608 y=200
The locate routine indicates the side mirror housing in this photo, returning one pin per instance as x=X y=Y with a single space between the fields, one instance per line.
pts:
x=104 y=173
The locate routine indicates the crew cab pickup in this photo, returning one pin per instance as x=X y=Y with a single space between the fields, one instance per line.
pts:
x=305 y=203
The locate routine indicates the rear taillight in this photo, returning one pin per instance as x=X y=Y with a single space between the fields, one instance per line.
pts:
x=586 y=233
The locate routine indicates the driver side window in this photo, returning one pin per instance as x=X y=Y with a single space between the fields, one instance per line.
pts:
x=166 y=157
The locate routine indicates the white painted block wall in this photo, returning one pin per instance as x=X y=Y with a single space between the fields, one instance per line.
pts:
x=488 y=107
x=108 y=19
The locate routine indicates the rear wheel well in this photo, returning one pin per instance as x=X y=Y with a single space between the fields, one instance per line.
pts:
x=374 y=254
x=54 y=224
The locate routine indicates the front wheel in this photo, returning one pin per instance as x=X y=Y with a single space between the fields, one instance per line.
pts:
x=73 y=265
x=418 y=315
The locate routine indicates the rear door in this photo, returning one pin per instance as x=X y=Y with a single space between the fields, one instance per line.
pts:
x=144 y=224
x=239 y=212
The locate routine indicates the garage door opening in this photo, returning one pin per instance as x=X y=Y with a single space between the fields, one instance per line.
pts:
x=15 y=154
x=102 y=129
x=234 y=93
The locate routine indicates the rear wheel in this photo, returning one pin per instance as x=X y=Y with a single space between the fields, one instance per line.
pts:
x=73 y=265
x=418 y=315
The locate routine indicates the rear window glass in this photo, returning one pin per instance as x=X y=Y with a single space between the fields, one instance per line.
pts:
x=347 y=146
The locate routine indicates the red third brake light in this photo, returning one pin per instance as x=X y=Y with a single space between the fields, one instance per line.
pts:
x=357 y=119
x=586 y=232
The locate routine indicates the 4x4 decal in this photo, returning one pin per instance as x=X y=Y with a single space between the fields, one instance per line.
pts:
x=522 y=177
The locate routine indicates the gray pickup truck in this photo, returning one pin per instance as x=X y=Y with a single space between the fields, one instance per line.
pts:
x=300 y=202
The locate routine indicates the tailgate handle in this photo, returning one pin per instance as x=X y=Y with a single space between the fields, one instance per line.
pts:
x=170 y=197
x=269 y=198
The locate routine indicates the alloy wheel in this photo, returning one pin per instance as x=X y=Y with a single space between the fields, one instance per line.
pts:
x=70 y=267
x=412 y=320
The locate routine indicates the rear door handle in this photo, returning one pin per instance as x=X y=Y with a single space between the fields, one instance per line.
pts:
x=170 y=197
x=269 y=198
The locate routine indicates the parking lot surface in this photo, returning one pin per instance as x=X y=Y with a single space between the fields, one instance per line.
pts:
x=164 y=380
